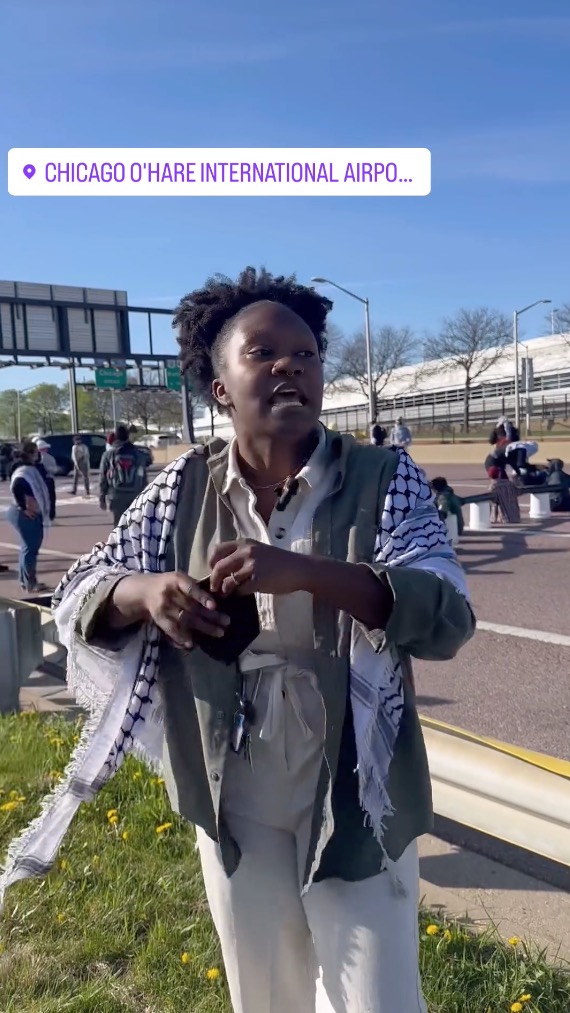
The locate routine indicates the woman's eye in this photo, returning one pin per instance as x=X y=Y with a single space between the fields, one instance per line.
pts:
x=308 y=354
x=257 y=352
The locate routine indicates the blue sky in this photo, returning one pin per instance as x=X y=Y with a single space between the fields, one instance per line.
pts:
x=487 y=91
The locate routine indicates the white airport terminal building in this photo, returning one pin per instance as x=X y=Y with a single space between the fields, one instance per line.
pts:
x=431 y=396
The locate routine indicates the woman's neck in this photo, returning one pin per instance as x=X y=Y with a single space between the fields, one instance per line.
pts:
x=270 y=461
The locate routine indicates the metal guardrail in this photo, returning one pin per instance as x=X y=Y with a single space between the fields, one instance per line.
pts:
x=515 y=795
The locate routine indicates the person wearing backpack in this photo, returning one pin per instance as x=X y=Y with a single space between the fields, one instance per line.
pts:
x=123 y=475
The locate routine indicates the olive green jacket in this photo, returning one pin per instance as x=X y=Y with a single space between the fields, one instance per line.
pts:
x=429 y=620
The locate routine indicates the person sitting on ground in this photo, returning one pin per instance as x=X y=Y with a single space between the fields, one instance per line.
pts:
x=377 y=434
x=400 y=435
x=447 y=502
x=559 y=501
x=123 y=475
x=505 y=508
x=518 y=453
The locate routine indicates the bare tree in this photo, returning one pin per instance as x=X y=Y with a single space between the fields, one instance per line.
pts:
x=562 y=321
x=392 y=348
x=472 y=340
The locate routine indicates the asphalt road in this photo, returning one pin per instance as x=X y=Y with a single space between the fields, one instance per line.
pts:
x=512 y=686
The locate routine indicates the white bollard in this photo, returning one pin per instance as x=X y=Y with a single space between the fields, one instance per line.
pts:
x=539 y=506
x=479 y=516
x=452 y=529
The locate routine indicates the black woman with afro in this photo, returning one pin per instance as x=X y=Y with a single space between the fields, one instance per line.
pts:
x=257 y=610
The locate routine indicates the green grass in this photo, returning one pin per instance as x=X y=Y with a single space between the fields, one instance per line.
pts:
x=107 y=929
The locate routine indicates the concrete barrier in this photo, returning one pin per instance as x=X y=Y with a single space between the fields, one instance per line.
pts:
x=480 y=516
x=540 y=505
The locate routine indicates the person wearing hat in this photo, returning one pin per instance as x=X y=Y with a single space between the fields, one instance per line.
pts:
x=50 y=468
x=559 y=501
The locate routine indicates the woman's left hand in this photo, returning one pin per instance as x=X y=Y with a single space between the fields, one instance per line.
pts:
x=247 y=566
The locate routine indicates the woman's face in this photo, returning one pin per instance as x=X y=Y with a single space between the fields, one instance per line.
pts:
x=271 y=374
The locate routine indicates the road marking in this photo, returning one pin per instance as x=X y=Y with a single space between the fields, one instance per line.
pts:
x=525 y=634
x=72 y=554
x=524 y=532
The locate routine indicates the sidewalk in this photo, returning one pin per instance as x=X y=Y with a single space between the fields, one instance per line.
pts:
x=454 y=881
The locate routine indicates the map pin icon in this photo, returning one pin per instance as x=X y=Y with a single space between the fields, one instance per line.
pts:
x=29 y=171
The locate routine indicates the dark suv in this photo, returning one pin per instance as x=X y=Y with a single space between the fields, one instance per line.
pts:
x=62 y=443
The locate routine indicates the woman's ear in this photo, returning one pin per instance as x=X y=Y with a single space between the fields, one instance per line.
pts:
x=221 y=395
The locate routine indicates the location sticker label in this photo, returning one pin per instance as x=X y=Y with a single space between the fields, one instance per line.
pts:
x=29 y=171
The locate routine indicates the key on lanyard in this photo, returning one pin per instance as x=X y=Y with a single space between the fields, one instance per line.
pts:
x=243 y=722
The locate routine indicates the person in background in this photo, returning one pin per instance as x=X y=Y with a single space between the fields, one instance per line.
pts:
x=504 y=432
x=447 y=502
x=5 y=460
x=81 y=465
x=123 y=475
x=505 y=507
x=559 y=501
x=50 y=469
x=377 y=434
x=30 y=512
x=110 y=441
x=400 y=435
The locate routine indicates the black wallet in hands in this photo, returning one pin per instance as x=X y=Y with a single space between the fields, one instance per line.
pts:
x=242 y=631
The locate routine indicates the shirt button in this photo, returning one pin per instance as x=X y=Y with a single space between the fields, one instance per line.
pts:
x=215 y=776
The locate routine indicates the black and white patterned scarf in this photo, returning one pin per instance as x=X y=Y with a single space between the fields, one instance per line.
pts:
x=119 y=689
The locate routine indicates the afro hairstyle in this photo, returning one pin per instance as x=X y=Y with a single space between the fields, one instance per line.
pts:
x=203 y=318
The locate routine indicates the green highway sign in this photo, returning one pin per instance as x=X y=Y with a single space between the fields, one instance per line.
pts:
x=173 y=378
x=110 y=378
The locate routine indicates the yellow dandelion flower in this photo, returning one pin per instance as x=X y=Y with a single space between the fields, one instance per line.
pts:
x=13 y=794
x=113 y=820
x=162 y=827
x=514 y=941
x=212 y=974
x=64 y=864
x=516 y=1007
x=159 y=780
x=60 y=917
x=125 y=835
x=76 y=738
x=447 y=936
x=56 y=775
x=185 y=958
x=137 y=775
x=9 y=807
x=111 y=813
x=95 y=860
x=432 y=930
x=56 y=740
x=526 y=997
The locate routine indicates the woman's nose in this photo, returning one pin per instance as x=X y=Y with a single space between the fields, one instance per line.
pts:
x=287 y=366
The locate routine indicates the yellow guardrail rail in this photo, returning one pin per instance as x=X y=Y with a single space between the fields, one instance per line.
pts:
x=516 y=795
x=550 y=763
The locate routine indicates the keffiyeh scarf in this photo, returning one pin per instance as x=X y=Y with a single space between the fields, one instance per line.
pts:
x=39 y=489
x=119 y=689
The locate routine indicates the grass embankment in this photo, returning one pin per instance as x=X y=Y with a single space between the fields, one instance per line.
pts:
x=121 y=925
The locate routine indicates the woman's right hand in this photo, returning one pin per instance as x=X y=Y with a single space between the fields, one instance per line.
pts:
x=32 y=508
x=173 y=601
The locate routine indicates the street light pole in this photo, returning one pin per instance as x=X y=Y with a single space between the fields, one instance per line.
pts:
x=367 y=339
x=516 y=315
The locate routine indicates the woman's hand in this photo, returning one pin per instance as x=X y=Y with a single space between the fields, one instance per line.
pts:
x=247 y=566
x=32 y=508
x=173 y=601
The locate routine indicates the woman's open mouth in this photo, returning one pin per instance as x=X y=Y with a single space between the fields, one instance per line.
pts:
x=287 y=397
